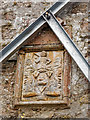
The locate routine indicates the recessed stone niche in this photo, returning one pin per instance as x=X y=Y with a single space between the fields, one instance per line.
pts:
x=43 y=75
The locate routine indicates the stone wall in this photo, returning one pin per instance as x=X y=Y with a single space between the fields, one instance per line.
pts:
x=15 y=17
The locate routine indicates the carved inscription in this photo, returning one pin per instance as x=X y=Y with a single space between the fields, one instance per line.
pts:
x=42 y=76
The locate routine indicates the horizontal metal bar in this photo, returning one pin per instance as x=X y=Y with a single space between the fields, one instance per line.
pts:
x=11 y=48
x=68 y=43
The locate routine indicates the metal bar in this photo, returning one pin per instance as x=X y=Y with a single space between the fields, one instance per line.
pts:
x=11 y=48
x=68 y=43
x=20 y=40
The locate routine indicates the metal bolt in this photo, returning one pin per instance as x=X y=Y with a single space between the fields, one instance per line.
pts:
x=47 y=15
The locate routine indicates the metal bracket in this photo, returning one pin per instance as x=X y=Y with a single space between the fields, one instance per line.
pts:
x=67 y=42
x=49 y=18
x=30 y=32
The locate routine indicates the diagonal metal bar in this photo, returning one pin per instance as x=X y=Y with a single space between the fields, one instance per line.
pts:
x=67 y=42
x=11 y=48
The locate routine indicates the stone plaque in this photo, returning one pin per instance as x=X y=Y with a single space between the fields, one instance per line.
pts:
x=41 y=77
x=43 y=71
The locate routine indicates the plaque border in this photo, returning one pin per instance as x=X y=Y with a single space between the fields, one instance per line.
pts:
x=19 y=75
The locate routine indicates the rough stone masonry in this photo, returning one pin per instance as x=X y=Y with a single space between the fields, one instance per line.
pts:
x=15 y=17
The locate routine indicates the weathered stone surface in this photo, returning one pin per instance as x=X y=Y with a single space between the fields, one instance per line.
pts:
x=21 y=15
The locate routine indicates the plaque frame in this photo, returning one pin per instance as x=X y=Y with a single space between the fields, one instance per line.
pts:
x=20 y=68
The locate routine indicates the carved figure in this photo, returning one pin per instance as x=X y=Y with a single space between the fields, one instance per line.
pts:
x=44 y=77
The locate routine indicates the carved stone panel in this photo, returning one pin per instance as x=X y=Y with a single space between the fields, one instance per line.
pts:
x=41 y=78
